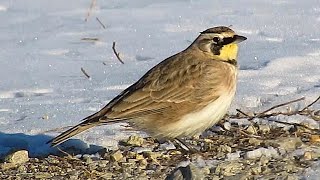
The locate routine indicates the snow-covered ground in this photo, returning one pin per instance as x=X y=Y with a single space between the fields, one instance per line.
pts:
x=42 y=52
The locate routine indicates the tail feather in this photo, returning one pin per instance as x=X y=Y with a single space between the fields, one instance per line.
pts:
x=74 y=131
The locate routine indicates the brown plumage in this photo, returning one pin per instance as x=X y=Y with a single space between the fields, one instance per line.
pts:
x=181 y=96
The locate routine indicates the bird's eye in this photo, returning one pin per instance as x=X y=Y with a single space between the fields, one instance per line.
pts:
x=216 y=39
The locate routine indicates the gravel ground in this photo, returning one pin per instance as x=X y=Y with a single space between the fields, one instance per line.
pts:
x=229 y=151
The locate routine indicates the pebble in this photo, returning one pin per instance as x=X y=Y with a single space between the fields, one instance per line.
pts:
x=255 y=141
x=87 y=159
x=143 y=163
x=257 y=153
x=134 y=141
x=107 y=175
x=167 y=146
x=227 y=125
x=251 y=130
x=188 y=172
x=117 y=156
x=6 y=166
x=140 y=150
x=228 y=168
x=42 y=175
x=315 y=138
x=264 y=128
x=292 y=177
x=256 y=170
x=289 y=144
x=139 y=156
x=17 y=157
x=307 y=155
x=233 y=156
x=224 y=148
x=152 y=155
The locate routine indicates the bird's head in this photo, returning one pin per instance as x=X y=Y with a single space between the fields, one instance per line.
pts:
x=219 y=43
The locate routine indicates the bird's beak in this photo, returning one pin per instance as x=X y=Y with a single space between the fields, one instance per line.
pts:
x=238 y=38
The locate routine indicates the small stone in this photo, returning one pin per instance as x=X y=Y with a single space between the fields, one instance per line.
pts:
x=167 y=146
x=42 y=175
x=257 y=153
x=117 y=156
x=292 y=177
x=17 y=157
x=134 y=141
x=139 y=157
x=256 y=170
x=251 y=130
x=264 y=128
x=233 y=156
x=132 y=161
x=315 y=138
x=207 y=140
x=229 y=168
x=307 y=155
x=141 y=149
x=87 y=159
x=255 y=141
x=224 y=148
x=143 y=163
x=6 y=166
x=45 y=117
x=131 y=155
x=102 y=165
x=152 y=155
x=289 y=144
x=22 y=169
x=176 y=152
x=264 y=160
x=106 y=175
x=316 y=115
x=188 y=172
x=227 y=125
x=206 y=170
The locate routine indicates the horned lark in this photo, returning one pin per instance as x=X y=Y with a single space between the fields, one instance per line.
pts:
x=181 y=96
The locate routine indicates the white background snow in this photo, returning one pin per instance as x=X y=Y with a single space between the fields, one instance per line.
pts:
x=41 y=53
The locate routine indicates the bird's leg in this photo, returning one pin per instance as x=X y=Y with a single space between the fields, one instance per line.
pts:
x=186 y=147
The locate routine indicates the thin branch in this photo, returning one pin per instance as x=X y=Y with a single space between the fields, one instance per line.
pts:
x=89 y=39
x=300 y=112
x=85 y=73
x=296 y=124
x=280 y=105
x=64 y=152
x=93 y=3
x=250 y=135
x=103 y=26
x=311 y=104
x=238 y=110
x=116 y=53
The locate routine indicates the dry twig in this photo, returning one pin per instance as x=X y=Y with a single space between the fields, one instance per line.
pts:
x=311 y=104
x=85 y=73
x=241 y=112
x=280 y=105
x=264 y=114
x=93 y=3
x=90 y=39
x=64 y=152
x=103 y=26
x=116 y=53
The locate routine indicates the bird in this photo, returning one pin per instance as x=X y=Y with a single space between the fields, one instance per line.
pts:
x=182 y=96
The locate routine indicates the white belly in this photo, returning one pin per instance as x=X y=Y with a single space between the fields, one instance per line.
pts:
x=199 y=121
